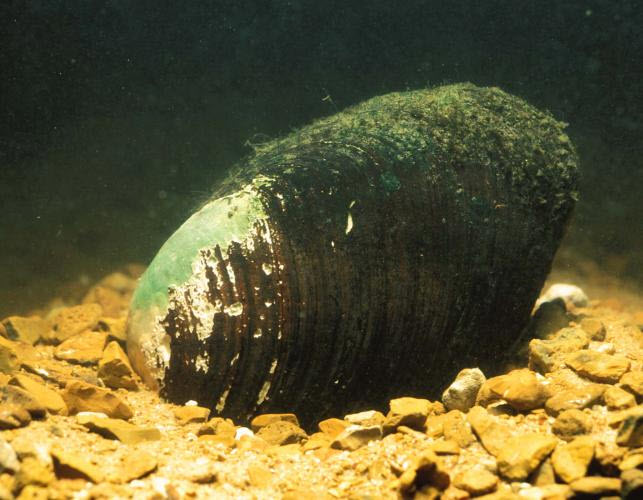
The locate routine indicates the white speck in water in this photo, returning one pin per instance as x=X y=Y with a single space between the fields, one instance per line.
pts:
x=235 y=359
x=268 y=303
x=349 y=223
x=266 y=268
x=233 y=309
x=352 y=204
x=332 y=244
x=257 y=333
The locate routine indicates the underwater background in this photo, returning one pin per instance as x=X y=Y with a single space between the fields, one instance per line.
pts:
x=120 y=116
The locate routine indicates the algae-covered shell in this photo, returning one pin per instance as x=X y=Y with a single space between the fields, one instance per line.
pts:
x=371 y=254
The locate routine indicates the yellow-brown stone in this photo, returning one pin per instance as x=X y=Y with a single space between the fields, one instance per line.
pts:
x=408 y=411
x=73 y=320
x=46 y=396
x=85 y=348
x=114 y=368
x=68 y=464
x=282 y=432
x=571 y=460
x=520 y=455
x=519 y=388
x=492 y=434
x=618 y=399
x=598 y=366
x=574 y=399
x=477 y=481
x=25 y=329
x=112 y=428
x=268 y=418
x=81 y=396
x=570 y=424
x=332 y=426
x=191 y=414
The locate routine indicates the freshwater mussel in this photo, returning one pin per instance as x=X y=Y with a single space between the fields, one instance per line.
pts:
x=369 y=255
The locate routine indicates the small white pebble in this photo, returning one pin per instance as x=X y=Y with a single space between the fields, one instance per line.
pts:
x=604 y=347
x=242 y=431
x=571 y=294
x=191 y=403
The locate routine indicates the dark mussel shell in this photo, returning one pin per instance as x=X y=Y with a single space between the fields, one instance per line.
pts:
x=369 y=255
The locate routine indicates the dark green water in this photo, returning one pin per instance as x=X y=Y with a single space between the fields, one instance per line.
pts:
x=119 y=117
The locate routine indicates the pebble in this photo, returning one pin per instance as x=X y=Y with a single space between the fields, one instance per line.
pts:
x=68 y=464
x=34 y=471
x=85 y=348
x=191 y=414
x=316 y=441
x=597 y=486
x=268 y=418
x=116 y=328
x=456 y=428
x=114 y=368
x=476 y=481
x=519 y=388
x=25 y=329
x=548 y=355
x=594 y=328
x=630 y=433
x=8 y=356
x=573 y=295
x=218 y=426
x=633 y=382
x=282 y=432
x=111 y=302
x=597 y=366
x=574 y=399
x=366 y=418
x=12 y=395
x=425 y=472
x=448 y=447
x=259 y=476
x=13 y=416
x=73 y=320
x=135 y=465
x=544 y=474
x=8 y=458
x=408 y=411
x=492 y=434
x=571 y=460
x=356 y=436
x=571 y=423
x=461 y=394
x=81 y=396
x=616 y=418
x=118 y=429
x=45 y=396
x=632 y=484
x=618 y=399
x=632 y=460
x=332 y=426
x=521 y=455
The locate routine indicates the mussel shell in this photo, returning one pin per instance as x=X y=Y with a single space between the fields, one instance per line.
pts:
x=369 y=255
